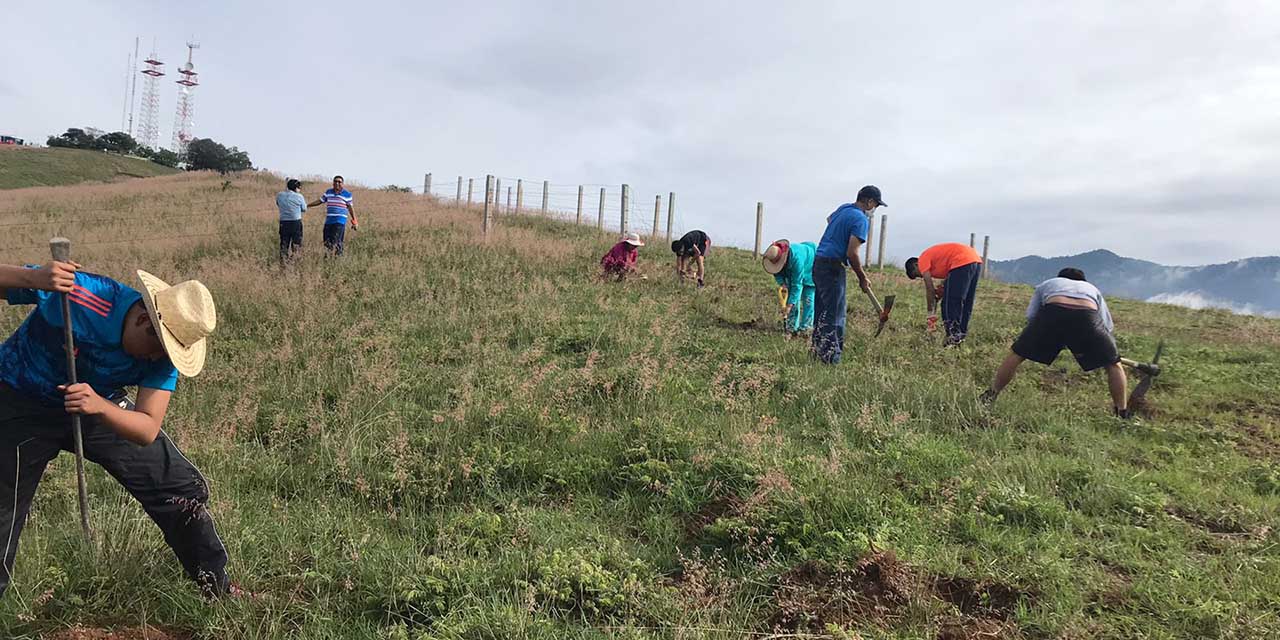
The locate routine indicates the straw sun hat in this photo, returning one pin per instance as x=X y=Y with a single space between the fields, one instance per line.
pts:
x=183 y=315
x=775 y=257
x=633 y=239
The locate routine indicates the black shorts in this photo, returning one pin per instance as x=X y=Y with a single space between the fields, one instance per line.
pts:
x=1057 y=327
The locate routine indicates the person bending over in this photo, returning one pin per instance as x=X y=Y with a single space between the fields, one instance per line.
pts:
x=1067 y=312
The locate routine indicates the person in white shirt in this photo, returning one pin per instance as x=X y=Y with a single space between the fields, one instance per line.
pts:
x=1067 y=312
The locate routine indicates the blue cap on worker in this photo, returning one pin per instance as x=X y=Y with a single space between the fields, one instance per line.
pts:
x=871 y=192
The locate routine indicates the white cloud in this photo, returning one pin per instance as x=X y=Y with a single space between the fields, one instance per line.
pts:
x=1197 y=300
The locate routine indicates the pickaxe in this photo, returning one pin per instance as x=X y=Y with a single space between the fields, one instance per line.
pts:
x=1147 y=371
x=882 y=312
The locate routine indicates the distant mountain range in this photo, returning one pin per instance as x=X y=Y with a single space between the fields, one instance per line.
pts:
x=1251 y=285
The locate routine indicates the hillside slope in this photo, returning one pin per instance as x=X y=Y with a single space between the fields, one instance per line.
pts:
x=444 y=435
x=43 y=167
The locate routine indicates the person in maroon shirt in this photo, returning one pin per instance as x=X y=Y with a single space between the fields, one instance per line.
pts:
x=621 y=259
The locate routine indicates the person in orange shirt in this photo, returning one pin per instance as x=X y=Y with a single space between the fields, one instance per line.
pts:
x=959 y=267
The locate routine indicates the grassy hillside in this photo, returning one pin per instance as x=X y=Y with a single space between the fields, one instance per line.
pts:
x=450 y=436
x=27 y=167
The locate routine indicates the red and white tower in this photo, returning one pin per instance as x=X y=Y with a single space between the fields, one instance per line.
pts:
x=149 y=122
x=184 y=116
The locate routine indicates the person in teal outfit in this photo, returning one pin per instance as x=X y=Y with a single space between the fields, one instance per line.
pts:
x=792 y=267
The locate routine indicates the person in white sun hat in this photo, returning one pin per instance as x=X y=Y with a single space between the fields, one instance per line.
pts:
x=620 y=262
x=123 y=338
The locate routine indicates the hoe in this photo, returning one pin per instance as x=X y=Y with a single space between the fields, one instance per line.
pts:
x=1147 y=371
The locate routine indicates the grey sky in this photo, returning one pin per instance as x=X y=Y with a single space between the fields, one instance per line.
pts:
x=1149 y=128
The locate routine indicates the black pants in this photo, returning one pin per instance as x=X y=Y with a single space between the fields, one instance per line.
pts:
x=334 y=237
x=170 y=489
x=958 y=293
x=290 y=238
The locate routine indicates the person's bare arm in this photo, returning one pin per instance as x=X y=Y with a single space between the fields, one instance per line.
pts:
x=139 y=426
x=55 y=276
x=702 y=266
x=930 y=294
x=855 y=263
x=351 y=210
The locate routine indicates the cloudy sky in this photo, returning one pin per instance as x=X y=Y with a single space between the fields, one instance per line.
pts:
x=1149 y=128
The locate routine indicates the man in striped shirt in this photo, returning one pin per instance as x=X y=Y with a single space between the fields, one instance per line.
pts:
x=338 y=206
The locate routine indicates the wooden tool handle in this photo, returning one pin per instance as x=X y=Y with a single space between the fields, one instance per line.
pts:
x=875 y=303
x=61 y=249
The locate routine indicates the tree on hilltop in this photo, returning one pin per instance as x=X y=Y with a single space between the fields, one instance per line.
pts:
x=204 y=154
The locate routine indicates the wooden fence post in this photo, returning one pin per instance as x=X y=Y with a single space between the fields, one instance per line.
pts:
x=871 y=232
x=508 y=200
x=759 y=229
x=519 y=196
x=457 y=200
x=626 y=205
x=657 y=216
x=497 y=196
x=579 y=219
x=671 y=212
x=488 y=196
x=470 y=185
x=884 y=231
x=545 y=184
x=986 y=245
x=426 y=186
x=972 y=239
x=600 y=220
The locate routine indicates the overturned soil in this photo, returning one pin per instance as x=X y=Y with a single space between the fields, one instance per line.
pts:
x=144 y=632
x=814 y=594
x=879 y=588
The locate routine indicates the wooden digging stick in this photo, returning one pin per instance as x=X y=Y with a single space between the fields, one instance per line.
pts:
x=61 y=250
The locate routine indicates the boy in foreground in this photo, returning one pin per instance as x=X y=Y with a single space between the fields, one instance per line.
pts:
x=122 y=338
x=1067 y=312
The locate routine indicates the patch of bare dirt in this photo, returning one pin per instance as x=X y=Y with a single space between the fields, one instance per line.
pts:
x=144 y=632
x=977 y=629
x=815 y=594
x=720 y=507
x=877 y=591
x=984 y=599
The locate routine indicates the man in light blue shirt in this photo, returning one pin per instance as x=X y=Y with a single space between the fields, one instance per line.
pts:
x=1067 y=312
x=291 y=205
x=846 y=231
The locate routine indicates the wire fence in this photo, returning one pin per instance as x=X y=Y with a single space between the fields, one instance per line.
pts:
x=601 y=205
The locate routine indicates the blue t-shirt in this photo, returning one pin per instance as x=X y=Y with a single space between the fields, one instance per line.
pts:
x=291 y=205
x=335 y=206
x=845 y=222
x=33 y=360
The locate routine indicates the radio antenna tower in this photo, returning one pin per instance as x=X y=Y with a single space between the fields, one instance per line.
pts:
x=149 y=121
x=186 y=111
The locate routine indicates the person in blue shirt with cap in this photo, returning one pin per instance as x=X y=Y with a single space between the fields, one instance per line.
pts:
x=846 y=231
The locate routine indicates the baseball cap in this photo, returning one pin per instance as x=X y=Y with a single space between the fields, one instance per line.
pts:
x=871 y=192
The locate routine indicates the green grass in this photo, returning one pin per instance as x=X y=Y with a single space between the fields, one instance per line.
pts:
x=443 y=436
x=47 y=167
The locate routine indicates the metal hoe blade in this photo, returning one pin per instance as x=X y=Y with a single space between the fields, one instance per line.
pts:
x=1140 y=391
x=884 y=314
